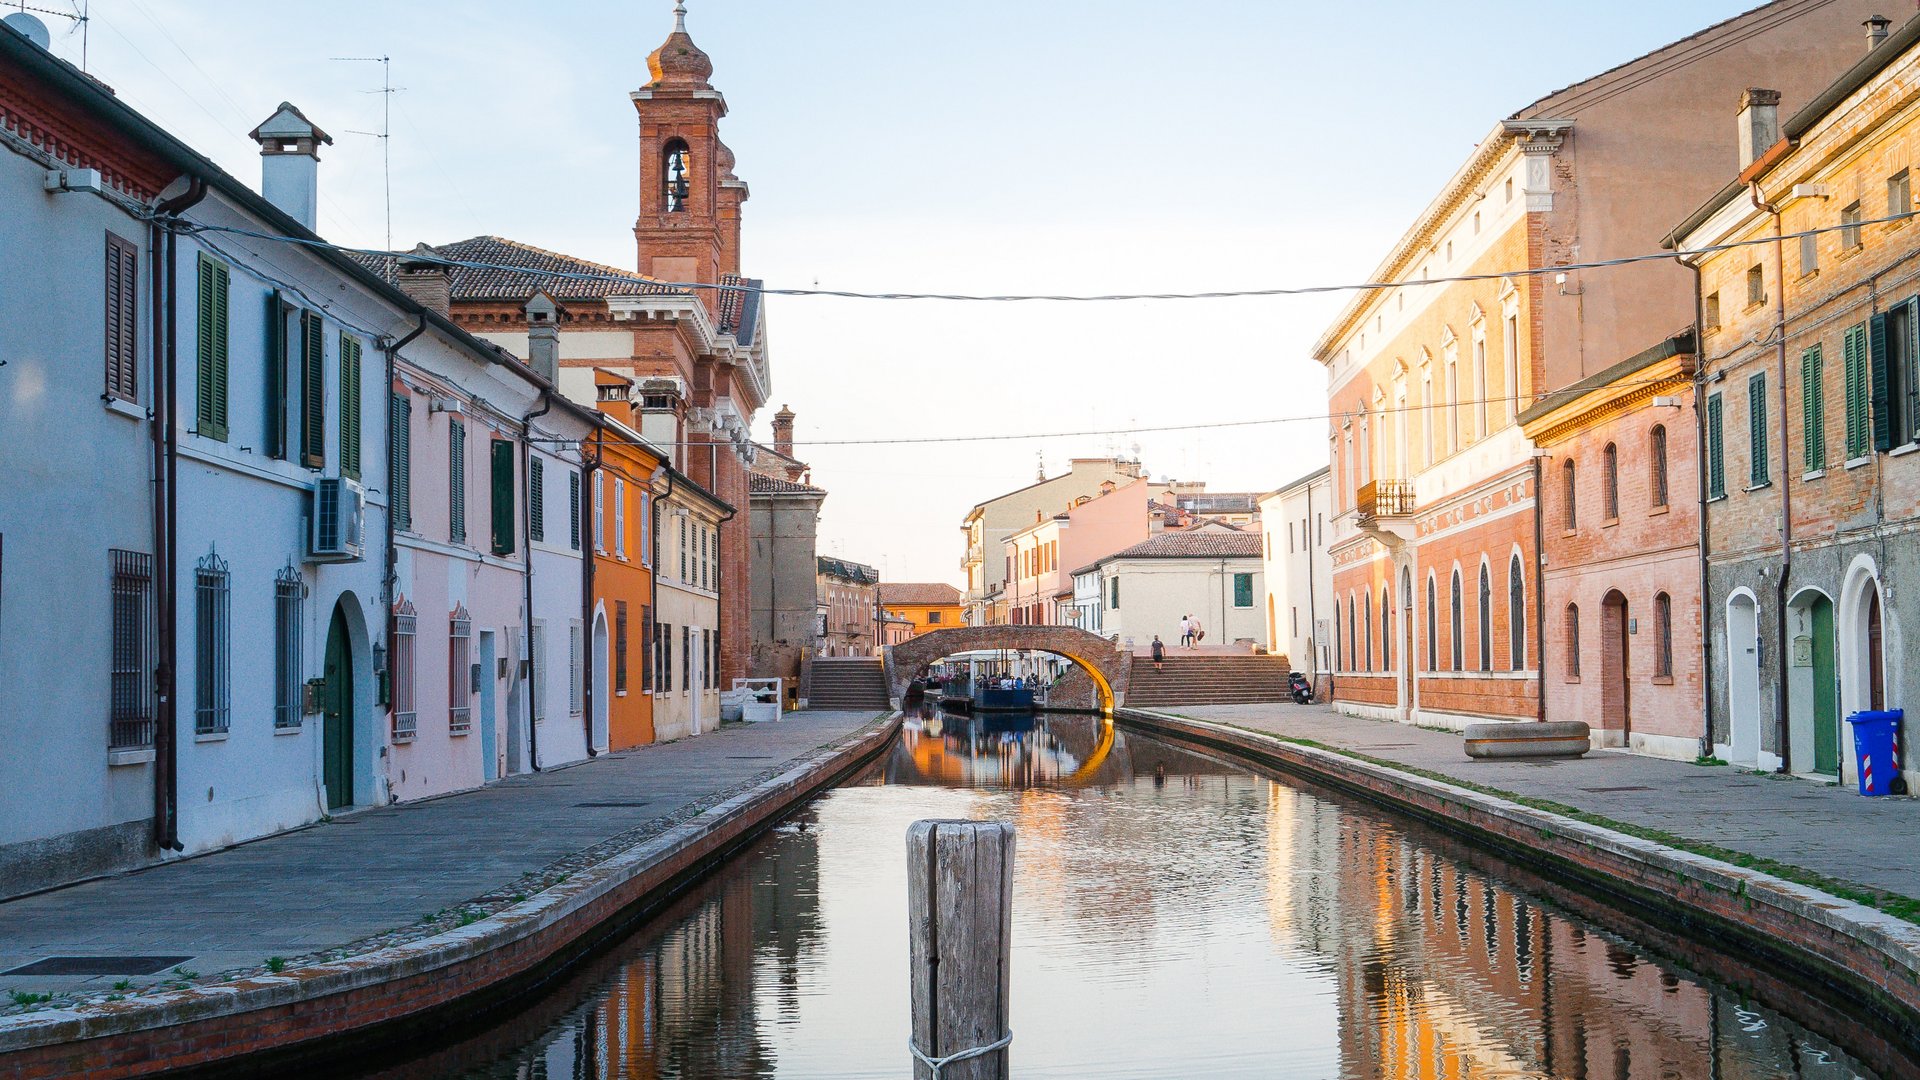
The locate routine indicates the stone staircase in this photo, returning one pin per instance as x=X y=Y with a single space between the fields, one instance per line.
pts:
x=848 y=682
x=1207 y=679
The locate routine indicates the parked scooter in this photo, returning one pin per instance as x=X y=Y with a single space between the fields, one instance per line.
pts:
x=1300 y=688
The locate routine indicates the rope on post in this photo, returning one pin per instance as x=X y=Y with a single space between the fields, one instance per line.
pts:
x=936 y=1064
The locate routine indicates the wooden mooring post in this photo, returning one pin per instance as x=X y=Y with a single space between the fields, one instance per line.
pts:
x=960 y=920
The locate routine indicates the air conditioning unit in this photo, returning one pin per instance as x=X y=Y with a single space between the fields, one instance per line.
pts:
x=338 y=521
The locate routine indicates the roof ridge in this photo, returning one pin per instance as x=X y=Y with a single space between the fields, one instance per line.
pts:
x=538 y=250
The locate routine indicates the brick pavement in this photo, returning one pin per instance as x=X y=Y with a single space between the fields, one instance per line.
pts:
x=378 y=870
x=1829 y=830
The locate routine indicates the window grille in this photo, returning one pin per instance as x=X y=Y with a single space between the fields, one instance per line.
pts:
x=459 y=671
x=213 y=684
x=537 y=664
x=576 y=668
x=130 y=716
x=289 y=596
x=406 y=717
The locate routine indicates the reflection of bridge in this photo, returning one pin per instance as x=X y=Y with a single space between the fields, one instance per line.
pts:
x=1107 y=664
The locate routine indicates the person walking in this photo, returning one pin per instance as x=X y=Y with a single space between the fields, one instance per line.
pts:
x=1199 y=632
x=1159 y=652
x=1186 y=631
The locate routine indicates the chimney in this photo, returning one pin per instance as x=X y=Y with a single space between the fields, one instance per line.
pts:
x=543 y=336
x=1759 y=123
x=783 y=431
x=429 y=284
x=1876 y=31
x=290 y=163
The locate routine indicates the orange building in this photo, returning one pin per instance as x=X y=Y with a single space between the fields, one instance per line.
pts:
x=620 y=471
x=931 y=605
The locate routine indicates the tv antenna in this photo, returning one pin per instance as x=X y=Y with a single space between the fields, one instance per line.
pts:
x=385 y=134
x=35 y=31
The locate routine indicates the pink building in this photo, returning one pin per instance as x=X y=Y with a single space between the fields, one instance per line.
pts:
x=1042 y=557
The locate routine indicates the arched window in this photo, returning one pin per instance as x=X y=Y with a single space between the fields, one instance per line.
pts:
x=1433 y=627
x=1573 y=640
x=676 y=176
x=1366 y=618
x=1516 y=616
x=1658 y=464
x=1458 y=626
x=1336 y=635
x=1663 y=635
x=1353 y=649
x=1486 y=619
x=1572 y=515
x=1386 y=629
x=1612 y=480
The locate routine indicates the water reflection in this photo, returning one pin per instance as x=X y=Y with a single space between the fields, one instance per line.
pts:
x=1174 y=916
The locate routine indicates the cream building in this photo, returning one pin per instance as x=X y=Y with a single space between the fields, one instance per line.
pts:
x=990 y=523
x=1211 y=572
x=1298 y=574
x=686 y=690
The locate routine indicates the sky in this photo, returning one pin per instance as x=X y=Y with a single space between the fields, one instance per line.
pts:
x=984 y=146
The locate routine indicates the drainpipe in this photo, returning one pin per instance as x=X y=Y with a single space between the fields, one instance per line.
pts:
x=1786 y=483
x=719 y=594
x=653 y=579
x=1313 y=604
x=163 y=247
x=1700 y=493
x=391 y=579
x=526 y=574
x=589 y=466
x=1539 y=594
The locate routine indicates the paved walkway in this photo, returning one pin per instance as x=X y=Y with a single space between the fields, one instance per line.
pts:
x=383 y=870
x=1829 y=830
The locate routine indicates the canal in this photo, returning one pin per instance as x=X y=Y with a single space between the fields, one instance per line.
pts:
x=1174 y=916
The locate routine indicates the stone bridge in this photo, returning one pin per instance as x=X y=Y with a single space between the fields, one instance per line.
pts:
x=1107 y=664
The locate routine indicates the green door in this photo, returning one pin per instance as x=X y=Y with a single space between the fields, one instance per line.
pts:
x=336 y=707
x=1826 y=691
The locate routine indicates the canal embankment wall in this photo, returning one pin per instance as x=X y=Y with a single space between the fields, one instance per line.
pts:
x=300 y=1016
x=1842 y=951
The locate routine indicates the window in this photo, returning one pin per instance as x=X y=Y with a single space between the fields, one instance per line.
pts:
x=1433 y=626
x=1809 y=254
x=649 y=641
x=1895 y=389
x=459 y=671
x=1366 y=620
x=457 y=482
x=1757 y=429
x=1850 y=236
x=687 y=640
x=1516 y=616
x=1571 y=514
x=213 y=657
x=1813 y=409
x=1853 y=351
x=350 y=406
x=646 y=527
x=1113 y=600
x=1458 y=626
x=1353 y=638
x=537 y=664
x=502 y=497
x=278 y=361
x=210 y=351
x=289 y=592
x=1511 y=346
x=1486 y=619
x=1386 y=629
x=123 y=319
x=676 y=176
x=400 y=466
x=1657 y=463
x=1573 y=641
x=1756 y=286
x=686 y=573
x=536 y=498
x=619 y=517
x=1710 y=315
x=1716 y=455
x=599 y=512
x=1509 y=189
x=1453 y=406
x=1243 y=590
x=933 y=618
x=1610 y=480
x=405 y=684
x=573 y=509
x=1663 y=635
x=576 y=668
x=1480 y=385
x=313 y=390
x=665 y=685
x=619 y=646
x=1899 y=194
x=131 y=658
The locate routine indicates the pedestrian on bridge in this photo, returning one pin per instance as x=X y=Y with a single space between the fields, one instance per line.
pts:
x=1159 y=652
x=1186 y=631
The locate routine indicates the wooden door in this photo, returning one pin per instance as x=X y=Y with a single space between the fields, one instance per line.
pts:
x=337 y=716
x=1826 y=690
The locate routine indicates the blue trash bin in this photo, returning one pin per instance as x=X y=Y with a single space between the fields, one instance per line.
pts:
x=1876 y=740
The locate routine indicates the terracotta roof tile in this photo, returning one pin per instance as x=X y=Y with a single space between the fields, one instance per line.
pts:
x=918 y=592
x=537 y=263
x=776 y=486
x=1212 y=542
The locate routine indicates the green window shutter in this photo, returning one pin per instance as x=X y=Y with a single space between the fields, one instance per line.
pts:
x=400 y=464
x=313 y=393
x=1757 y=428
x=502 y=497
x=1877 y=355
x=1854 y=354
x=1813 y=408
x=1243 y=590
x=349 y=406
x=457 y=483
x=276 y=364
x=537 y=497
x=210 y=413
x=1716 y=450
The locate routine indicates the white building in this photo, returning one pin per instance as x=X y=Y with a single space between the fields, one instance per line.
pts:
x=1088 y=605
x=686 y=581
x=1299 y=576
x=1210 y=571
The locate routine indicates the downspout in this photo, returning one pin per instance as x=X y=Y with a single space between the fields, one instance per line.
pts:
x=653 y=583
x=526 y=574
x=1539 y=594
x=1313 y=604
x=1786 y=483
x=588 y=518
x=719 y=597
x=163 y=245
x=391 y=579
x=1700 y=493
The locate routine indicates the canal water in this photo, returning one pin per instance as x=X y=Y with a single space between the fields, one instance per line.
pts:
x=1174 y=916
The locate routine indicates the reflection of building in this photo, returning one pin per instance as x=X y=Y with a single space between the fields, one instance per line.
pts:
x=846 y=602
x=989 y=524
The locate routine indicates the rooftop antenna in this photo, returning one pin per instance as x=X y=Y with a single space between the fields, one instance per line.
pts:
x=385 y=134
x=1039 y=465
x=35 y=31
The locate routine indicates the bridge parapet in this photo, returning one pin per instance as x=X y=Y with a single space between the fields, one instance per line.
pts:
x=1108 y=664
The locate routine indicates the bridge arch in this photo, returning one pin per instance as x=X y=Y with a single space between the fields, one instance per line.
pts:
x=1107 y=664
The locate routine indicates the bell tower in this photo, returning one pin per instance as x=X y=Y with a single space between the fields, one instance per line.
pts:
x=689 y=223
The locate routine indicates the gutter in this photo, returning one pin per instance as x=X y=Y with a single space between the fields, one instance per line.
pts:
x=163 y=246
x=526 y=577
x=1786 y=479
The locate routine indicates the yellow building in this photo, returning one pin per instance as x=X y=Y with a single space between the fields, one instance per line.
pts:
x=932 y=605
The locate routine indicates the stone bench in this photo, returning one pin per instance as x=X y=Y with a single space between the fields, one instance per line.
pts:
x=1505 y=740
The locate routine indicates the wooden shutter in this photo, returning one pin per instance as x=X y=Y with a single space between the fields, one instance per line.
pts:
x=123 y=313
x=1757 y=428
x=1813 y=399
x=349 y=406
x=537 y=497
x=457 y=483
x=573 y=508
x=1854 y=357
x=313 y=390
x=1716 y=450
x=1877 y=356
x=400 y=465
x=276 y=364
x=650 y=643
x=210 y=412
x=502 y=497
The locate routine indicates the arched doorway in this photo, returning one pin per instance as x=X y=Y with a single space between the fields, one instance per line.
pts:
x=337 y=719
x=1743 y=680
x=1813 y=685
x=1616 y=686
x=603 y=663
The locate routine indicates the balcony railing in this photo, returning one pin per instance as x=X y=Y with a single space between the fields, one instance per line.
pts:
x=1385 y=498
